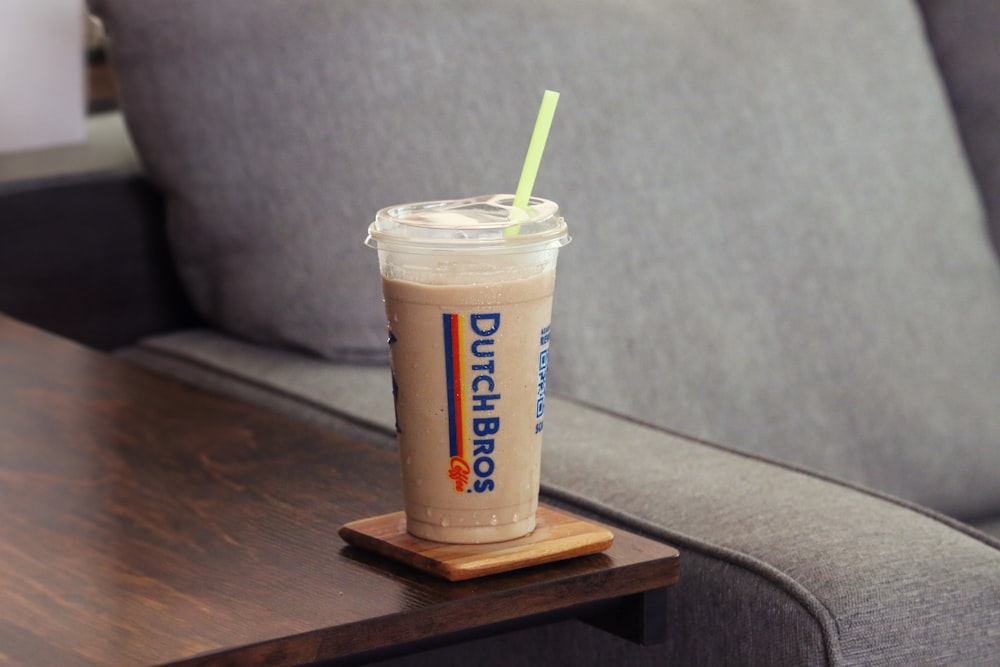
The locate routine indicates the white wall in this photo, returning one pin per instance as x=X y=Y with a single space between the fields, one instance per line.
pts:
x=42 y=86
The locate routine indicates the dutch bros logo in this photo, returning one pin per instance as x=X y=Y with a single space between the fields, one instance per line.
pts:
x=469 y=369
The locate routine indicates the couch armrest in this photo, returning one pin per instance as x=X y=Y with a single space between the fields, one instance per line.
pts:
x=781 y=566
x=86 y=256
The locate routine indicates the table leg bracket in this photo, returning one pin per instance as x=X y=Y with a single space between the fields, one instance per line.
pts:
x=640 y=618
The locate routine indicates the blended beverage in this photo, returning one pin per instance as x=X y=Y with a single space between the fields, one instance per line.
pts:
x=468 y=296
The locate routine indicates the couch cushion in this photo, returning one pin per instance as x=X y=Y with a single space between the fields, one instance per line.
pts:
x=777 y=245
x=779 y=567
x=352 y=398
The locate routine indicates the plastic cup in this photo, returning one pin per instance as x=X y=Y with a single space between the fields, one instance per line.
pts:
x=468 y=307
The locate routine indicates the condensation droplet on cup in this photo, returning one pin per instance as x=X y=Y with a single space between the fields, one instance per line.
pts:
x=444 y=522
x=428 y=511
x=493 y=520
x=515 y=518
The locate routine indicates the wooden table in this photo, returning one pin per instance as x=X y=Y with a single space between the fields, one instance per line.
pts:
x=144 y=522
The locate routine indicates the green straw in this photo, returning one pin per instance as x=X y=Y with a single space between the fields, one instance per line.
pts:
x=535 y=149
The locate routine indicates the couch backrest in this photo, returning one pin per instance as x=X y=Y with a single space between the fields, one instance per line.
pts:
x=778 y=245
x=964 y=39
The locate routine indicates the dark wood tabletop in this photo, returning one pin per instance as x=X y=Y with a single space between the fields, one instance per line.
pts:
x=146 y=522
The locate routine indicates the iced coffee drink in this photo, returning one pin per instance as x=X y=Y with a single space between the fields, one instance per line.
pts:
x=468 y=296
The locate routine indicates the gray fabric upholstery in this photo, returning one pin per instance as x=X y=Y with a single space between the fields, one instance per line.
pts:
x=778 y=245
x=964 y=38
x=990 y=526
x=355 y=398
x=780 y=567
x=812 y=278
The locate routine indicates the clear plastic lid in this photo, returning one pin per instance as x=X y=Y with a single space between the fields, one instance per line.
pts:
x=489 y=223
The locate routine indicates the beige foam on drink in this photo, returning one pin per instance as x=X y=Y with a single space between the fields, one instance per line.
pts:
x=504 y=508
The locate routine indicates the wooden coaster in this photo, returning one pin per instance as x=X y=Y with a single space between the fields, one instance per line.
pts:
x=557 y=536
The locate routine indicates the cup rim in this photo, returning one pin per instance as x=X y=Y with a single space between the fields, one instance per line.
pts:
x=407 y=227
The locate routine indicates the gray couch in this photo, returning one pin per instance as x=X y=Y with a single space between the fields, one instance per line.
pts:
x=781 y=215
